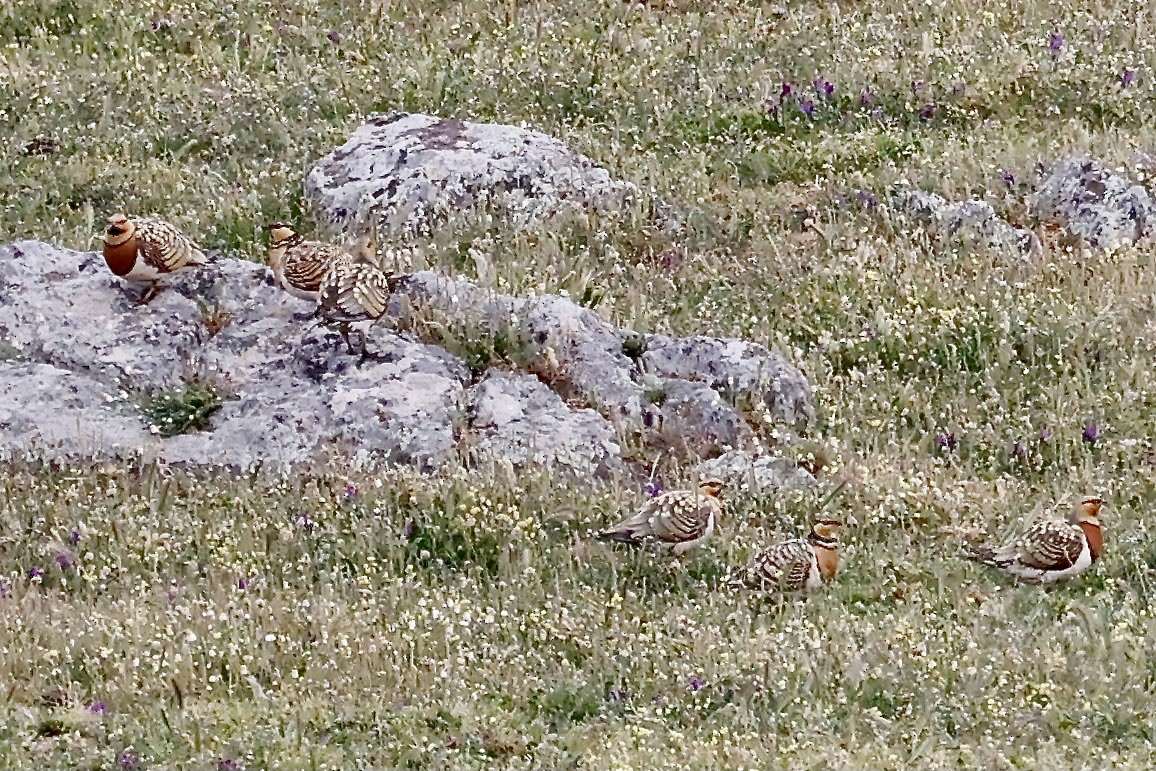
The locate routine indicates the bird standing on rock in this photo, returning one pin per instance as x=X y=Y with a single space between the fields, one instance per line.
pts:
x=147 y=250
x=798 y=564
x=1050 y=551
x=299 y=265
x=351 y=291
x=678 y=520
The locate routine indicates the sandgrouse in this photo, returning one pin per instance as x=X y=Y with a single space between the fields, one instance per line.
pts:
x=1050 y=551
x=678 y=520
x=354 y=290
x=299 y=265
x=147 y=250
x=798 y=564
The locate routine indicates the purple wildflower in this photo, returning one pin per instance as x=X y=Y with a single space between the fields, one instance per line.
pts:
x=807 y=106
x=5 y=589
x=304 y=521
x=98 y=707
x=1008 y=178
x=867 y=199
x=1128 y=78
x=74 y=537
x=786 y=90
x=653 y=488
x=244 y=582
x=334 y=36
x=1045 y=435
x=35 y=573
x=127 y=760
x=1091 y=432
x=1055 y=42
x=945 y=440
x=227 y=764
x=350 y=492
x=64 y=560
x=824 y=87
x=696 y=684
x=927 y=111
x=410 y=529
x=917 y=86
x=866 y=97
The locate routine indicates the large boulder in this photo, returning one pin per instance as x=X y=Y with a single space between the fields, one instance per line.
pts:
x=408 y=171
x=454 y=372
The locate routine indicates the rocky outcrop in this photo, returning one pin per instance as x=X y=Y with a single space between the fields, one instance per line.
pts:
x=408 y=171
x=972 y=222
x=1102 y=207
x=454 y=373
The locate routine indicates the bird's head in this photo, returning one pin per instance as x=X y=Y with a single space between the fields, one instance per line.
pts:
x=711 y=487
x=280 y=233
x=1088 y=509
x=825 y=531
x=120 y=230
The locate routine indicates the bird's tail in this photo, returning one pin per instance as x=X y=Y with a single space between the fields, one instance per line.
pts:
x=981 y=553
x=617 y=536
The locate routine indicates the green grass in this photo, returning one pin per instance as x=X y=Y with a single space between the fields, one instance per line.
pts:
x=466 y=620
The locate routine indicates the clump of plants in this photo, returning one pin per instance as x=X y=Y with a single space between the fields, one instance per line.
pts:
x=171 y=413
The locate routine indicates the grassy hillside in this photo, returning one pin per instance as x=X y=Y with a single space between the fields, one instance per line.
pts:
x=465 y=620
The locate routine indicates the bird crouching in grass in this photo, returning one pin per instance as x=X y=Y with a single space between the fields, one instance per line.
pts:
x=1050 y=551
x=146 y=251
x=678 y=520
x=794 y=565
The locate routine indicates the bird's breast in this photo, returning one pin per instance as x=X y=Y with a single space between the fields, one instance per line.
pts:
x=120 y=257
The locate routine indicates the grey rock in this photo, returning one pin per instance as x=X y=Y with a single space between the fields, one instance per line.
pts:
x=408 y=171
x=1101 y=206
x=738 y=369
x=72 y=332
x=973 y=222
x=748 y=471
x=685 y=394
x=47 y=412
x=518 y=418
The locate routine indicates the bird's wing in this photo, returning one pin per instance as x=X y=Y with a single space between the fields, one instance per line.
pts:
x=306 y=264
x=681 y=516
x=783 y=566
x=164 y=247
x=1050 y=546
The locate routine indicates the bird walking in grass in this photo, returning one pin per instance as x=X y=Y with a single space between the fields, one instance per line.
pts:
x=794 y=565
x=678 y=520
x=143 y=250
x=1050 y=551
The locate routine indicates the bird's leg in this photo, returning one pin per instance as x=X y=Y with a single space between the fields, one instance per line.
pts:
x=153 y=290
x=344 y=329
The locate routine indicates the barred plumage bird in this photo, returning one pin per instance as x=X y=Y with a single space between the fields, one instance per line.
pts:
x=678 y=520
x=351 y=291
x=798 y=564
x=145 y=250
x=1050 y=551
x=299 y=265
